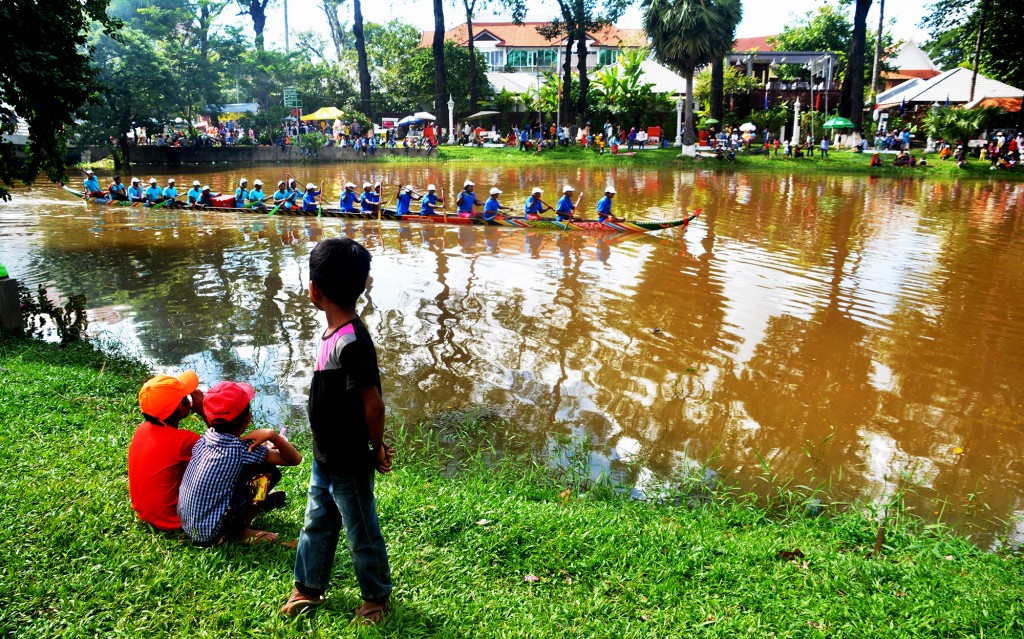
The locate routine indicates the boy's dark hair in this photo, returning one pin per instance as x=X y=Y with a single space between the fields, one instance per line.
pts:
x=232 y=426
x=339 y=268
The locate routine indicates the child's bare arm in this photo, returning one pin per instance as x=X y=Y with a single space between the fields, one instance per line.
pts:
x=283 y=453
x=373 y=404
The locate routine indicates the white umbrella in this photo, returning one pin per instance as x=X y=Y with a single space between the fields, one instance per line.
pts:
x=749 y=126
x=423 y=115
x=481 y=114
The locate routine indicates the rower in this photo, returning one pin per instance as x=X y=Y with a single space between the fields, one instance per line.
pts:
x=430 y=200
x=241 y=193
x=117 y=189
x=492 y=207
x=565 y=208
x=309 y=199
x=281 y=194
x=369 y=201
x=604 y=206
x=170 y=192
x=92 y=184
x=153 y=193
x=256 y=196
x=205 y=197
x=348 y=198
x=135 y=192
x=467 y=200
x=194 y=193
x=533 y=207
x=404 y=202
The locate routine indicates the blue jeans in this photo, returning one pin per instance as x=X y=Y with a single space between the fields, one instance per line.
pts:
x=335 y=501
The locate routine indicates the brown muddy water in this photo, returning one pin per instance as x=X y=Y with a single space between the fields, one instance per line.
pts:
x=858 y=335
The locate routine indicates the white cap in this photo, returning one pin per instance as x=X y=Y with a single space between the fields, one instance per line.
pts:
x=258 y=183
x=367 y=185
x=536 y=190
x=495 y=191
x=468 y=183
x=281 y=183
x=170 y=180
x=243 y=181
x=195 y=182
x=376 y=184
x=293 y=181
x=206 y=188
x=88 y=171
x=310 y=186
x=408 y=188
x=152 y=180
x=609 y=189
x=431 y=187
x=349 y=185
x=568 y=189
x=134 y=180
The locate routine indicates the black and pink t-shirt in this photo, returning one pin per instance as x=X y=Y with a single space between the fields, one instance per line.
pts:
x=346 y=362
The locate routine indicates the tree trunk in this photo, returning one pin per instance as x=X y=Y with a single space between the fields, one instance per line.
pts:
x=688 y=110
x=977 y=49
x=330 y=8
x=876 y=68
x=567 y=79
x=472 y=56
x=852 y=100
x=440 y=70
x=581 y=66
x=258 y=11
x=717 y=89
x=364 y=69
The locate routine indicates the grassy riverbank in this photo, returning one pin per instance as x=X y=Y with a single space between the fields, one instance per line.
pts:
x=481 y=546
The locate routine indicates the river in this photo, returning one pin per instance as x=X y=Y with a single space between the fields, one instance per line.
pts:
x=862 y=336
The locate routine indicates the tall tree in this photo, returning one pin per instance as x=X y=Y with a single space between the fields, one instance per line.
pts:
x=257 y=10
x=717 y=88
x=686 y=34
x=955 y=27
x=876 y=66
x=851 y=100
x=557 y=30
x=440 y=71
x=364 y=69
x=330 y=9
x=470 y=7
x=45 y=80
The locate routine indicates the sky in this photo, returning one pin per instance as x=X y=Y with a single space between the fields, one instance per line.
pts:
x=760 y=17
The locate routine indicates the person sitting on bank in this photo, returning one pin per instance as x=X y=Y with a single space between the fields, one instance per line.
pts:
x=194 y=193
x=467 y=200
x=309 y=202
x=403 y=204
x=564 y=209
x=534 y=207
x=229 y=479
x=160 y=450
x=256 y=196
x=91 y=184
x=369 y=201
x=117 y=189
x=492 y=207
x=348 y=199
x=604 y=206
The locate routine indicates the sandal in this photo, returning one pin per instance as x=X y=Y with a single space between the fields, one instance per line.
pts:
x=299 y=602
x=370 y=613
x=255 y=537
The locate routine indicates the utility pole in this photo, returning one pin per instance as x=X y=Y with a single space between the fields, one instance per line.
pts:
x=977 y=48
x=286 y=25
x=878 y=53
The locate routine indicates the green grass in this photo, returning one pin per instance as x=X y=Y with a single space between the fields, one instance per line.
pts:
x=465 y=528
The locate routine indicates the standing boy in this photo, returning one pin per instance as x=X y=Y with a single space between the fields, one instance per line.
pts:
x=346 y=418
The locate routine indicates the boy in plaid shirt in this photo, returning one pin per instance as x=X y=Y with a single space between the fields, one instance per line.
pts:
x=229 y=478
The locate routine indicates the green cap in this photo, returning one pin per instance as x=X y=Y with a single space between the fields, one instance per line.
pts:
x=3 y=271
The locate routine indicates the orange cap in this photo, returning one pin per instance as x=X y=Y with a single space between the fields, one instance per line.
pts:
x=161 y=395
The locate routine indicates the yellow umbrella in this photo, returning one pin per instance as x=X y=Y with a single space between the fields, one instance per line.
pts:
x=325 y=113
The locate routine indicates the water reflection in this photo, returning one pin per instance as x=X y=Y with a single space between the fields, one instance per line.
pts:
x=844 y=330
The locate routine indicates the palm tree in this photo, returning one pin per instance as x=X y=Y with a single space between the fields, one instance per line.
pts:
x=686 y=34
x=364 y=69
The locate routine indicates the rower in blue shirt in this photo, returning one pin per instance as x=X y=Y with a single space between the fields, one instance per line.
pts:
x=117 y=189
x=92 y=185
x=467 y=200
x=135 y=192
x=348 y=199
x=604 y=206
x=241 y=193
x=430 y=200
x=281 y=194
x=205 y=197
x=369 y=201
x=565 y=208
x=492 y=207
x=403 y=205
x=309 y=204
x=171 y=191
x=194 y=193
x=533 y=207
x=154 y=194
x=256 y=196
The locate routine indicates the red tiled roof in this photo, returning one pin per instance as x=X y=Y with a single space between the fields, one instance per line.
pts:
x=525 y=35
x=907 y=74
x=758 y=43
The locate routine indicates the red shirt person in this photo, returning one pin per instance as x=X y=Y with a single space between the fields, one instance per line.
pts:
x=160 y=451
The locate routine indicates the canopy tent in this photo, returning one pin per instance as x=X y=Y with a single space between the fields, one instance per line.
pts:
x=423 y=115
x=324 y=113
x=409 y=119
x=233 y=111
x=951 y=87
x=481 y=114
x=836 y=122
x=748 y=126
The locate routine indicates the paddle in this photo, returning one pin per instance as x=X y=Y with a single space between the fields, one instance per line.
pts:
x=444 y=206
x=320 y=208
x=166 y=202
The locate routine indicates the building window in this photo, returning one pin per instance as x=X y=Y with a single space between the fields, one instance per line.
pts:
x=495 y=58
x=546 y=58
x=607 y=56
x=520 y=58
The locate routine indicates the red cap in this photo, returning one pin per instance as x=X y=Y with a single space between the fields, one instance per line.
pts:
x=227 y=400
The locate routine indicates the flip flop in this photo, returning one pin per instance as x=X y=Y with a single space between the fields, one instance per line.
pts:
x=370 y=613
x=259 y=537
x=299 y=602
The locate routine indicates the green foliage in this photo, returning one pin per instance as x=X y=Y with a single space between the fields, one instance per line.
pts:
x=772 y=119
x=41 y=318
x=310 y=143
x=419 y=78
x=266 y=122
x=619 y=90
x=953 y=26
x=736 y=82
x=46 y=79
x=389 y=48
x=956 y=124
